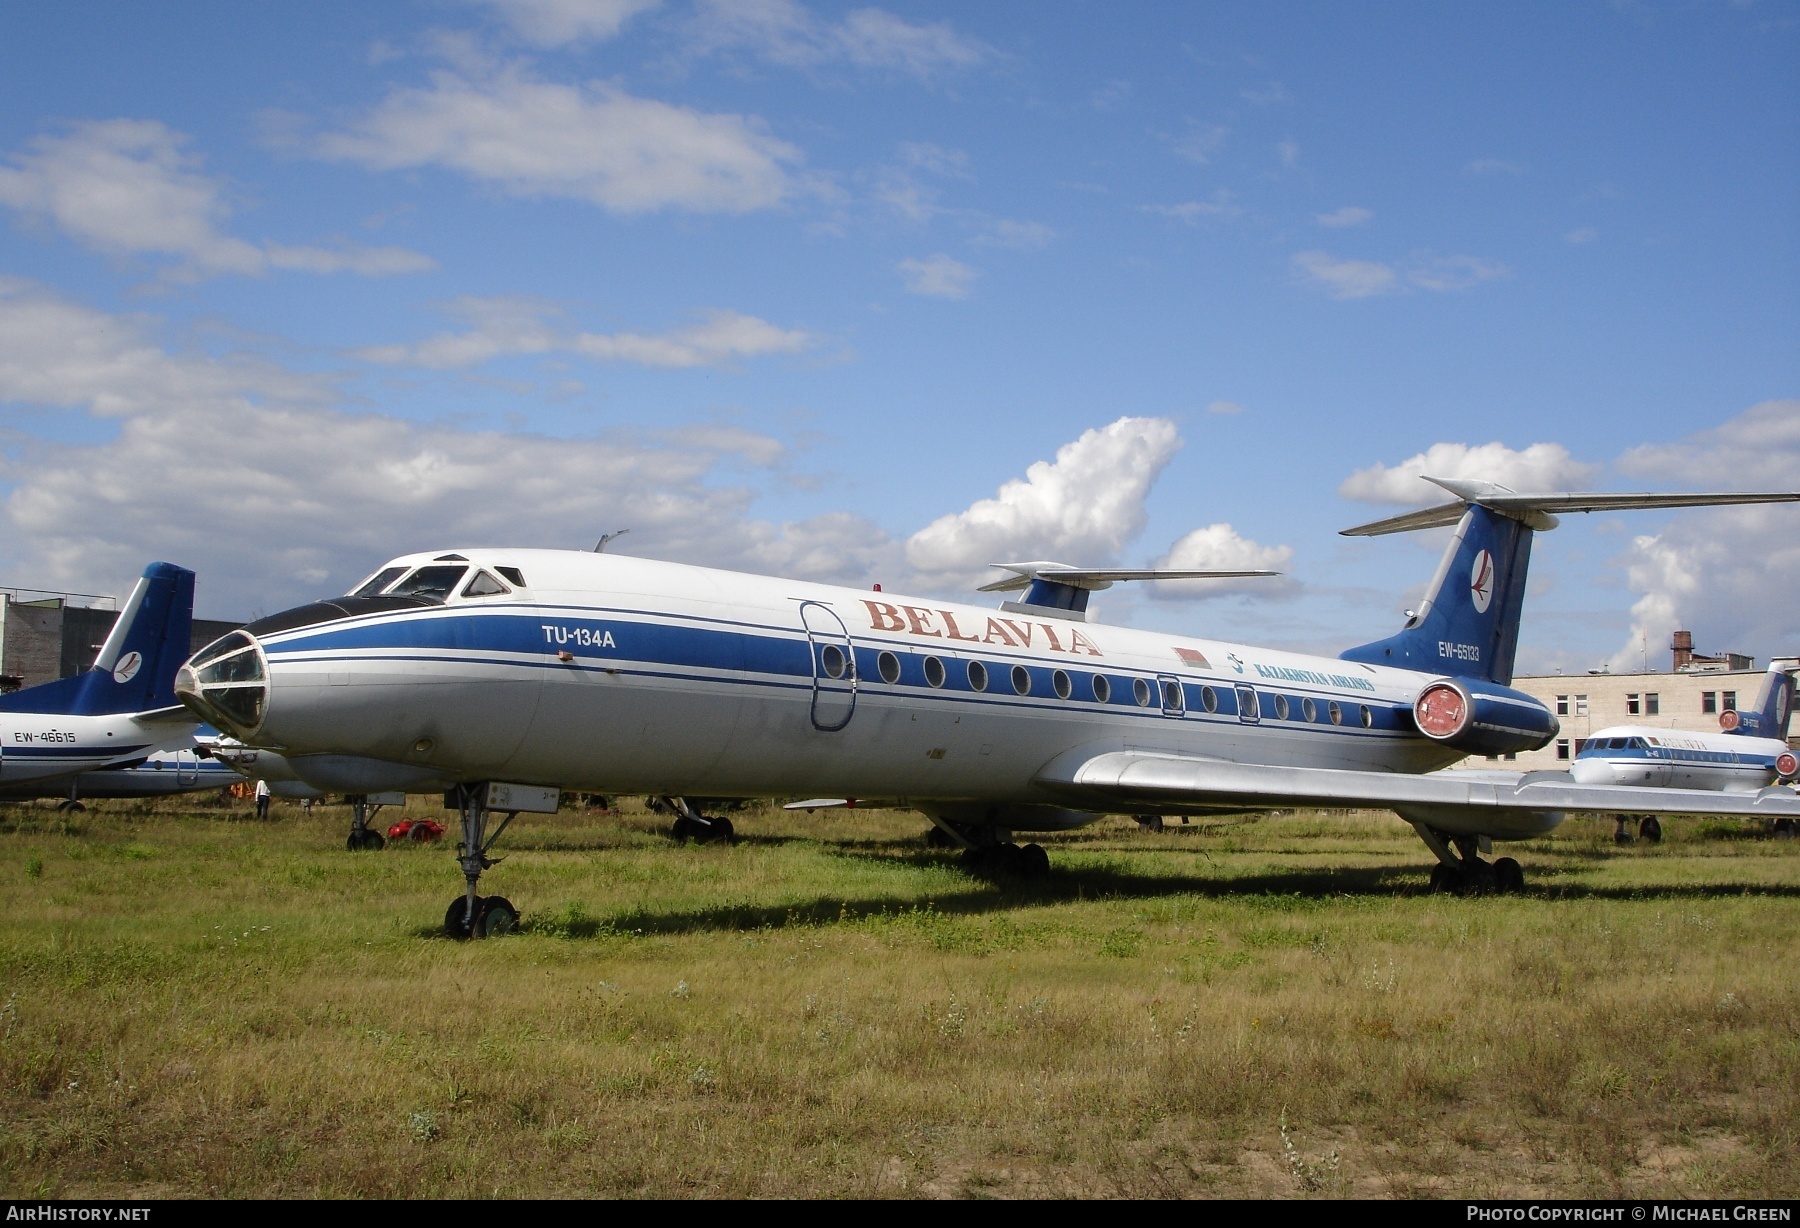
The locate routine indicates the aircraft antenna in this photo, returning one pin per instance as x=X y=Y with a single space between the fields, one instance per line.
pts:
x=600 y=546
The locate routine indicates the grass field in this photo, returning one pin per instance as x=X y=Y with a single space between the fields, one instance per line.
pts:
x=196 y=1004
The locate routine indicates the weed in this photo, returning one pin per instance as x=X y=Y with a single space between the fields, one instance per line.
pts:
x=1313 y=1174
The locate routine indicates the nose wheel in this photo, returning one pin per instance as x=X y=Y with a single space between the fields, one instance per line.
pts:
x=363 y=838
x=494 y=916
x=473 y=915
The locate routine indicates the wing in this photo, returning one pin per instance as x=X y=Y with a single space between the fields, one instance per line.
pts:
x=1121 y=779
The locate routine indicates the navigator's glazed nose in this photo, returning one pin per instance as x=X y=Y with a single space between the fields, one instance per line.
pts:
x=226 y=684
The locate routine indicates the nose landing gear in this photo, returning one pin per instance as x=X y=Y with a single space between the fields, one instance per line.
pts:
x=362 y=836
x=472 y=915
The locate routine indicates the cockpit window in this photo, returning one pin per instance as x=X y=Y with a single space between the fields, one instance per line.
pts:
x=429 y=583
x=484 y=585
x=513 y=574
x=382 y=579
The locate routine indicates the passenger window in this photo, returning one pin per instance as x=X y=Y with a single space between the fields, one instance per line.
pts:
x=484 y=585
x=382 y=579
x=429 y=583
x=513 y=574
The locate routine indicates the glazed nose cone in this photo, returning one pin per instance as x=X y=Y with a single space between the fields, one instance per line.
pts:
x=226 y=684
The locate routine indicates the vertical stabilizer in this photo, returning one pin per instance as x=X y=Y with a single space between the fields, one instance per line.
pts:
x=1468 y=625
x=135 y=670
x=1774 y=705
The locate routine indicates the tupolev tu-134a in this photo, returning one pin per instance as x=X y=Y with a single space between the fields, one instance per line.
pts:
x=504 y=676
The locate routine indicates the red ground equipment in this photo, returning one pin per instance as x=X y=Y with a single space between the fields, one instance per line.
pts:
x=419 y=831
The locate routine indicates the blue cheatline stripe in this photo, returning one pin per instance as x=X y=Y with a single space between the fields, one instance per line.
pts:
x=70 y=752
x=1382 y=730
x=752 y=647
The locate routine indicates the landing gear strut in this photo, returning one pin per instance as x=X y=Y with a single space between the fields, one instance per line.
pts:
x=690 y=824
x=1461 y=871
x=472 y=915
x=72 y=803
x=362 y=836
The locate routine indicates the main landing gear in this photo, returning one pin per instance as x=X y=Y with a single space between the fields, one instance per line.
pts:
x=689 y=823
x=72 y=803
x=989 y=852
x=472 y=915
x=1649 y=830
x=363 y=838
x=1461 y=871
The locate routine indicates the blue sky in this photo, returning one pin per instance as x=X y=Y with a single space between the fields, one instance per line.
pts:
x=803 y=289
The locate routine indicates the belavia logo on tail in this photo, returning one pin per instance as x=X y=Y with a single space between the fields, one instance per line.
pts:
x=1481 y=581
x=127 y=667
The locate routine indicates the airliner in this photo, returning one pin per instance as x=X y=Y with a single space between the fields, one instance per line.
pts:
x=123 y=709
x=1751 y=753
x=505 y=675
x=163 y=773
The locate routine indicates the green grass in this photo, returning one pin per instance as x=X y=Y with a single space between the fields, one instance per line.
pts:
x=194 y=1004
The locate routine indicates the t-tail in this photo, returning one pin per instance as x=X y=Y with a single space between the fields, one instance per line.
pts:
x=1468 y=625
x=135 y=670
x=1774 y=706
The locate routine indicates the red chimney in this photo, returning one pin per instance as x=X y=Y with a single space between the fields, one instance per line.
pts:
x=1683 y=646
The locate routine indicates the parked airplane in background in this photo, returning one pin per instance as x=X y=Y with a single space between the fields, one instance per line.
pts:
x=1751 y=753
x=122 y=710
x=503 y=676
x=162 y=774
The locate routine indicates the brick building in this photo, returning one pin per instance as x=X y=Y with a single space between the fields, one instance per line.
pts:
x=46 y=636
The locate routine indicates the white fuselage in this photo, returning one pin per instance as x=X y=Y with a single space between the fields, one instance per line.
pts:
x=1674 y=759
x=45 y=746
x=622 y=675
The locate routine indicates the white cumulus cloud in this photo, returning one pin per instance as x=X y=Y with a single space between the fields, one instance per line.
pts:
x=1082 y=508
x=1730 y=575
x=785 y=32
x=1221 y=204
x=595 y=143
x=1540 y=467
x=510 y=326
x=1349 y=215
x=1348 y=279
x=305 y=496
x=557 y=23
x=1345 y=278
x=130 y=187
x=1219 y=547
x=938 y=276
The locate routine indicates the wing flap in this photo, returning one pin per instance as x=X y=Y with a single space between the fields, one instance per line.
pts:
x=1124 y=776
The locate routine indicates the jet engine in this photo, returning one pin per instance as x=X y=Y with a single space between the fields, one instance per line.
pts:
x=1482 y=718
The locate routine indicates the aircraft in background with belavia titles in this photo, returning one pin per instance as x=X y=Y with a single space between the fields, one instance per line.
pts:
x=505 y=676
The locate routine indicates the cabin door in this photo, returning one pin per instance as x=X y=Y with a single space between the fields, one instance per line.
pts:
x=833 y=665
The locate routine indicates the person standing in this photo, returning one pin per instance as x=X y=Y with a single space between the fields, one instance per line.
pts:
x=262 y=799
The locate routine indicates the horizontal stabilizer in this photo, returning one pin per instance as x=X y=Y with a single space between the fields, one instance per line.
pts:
x=1092 y=578
x=1538 y=511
